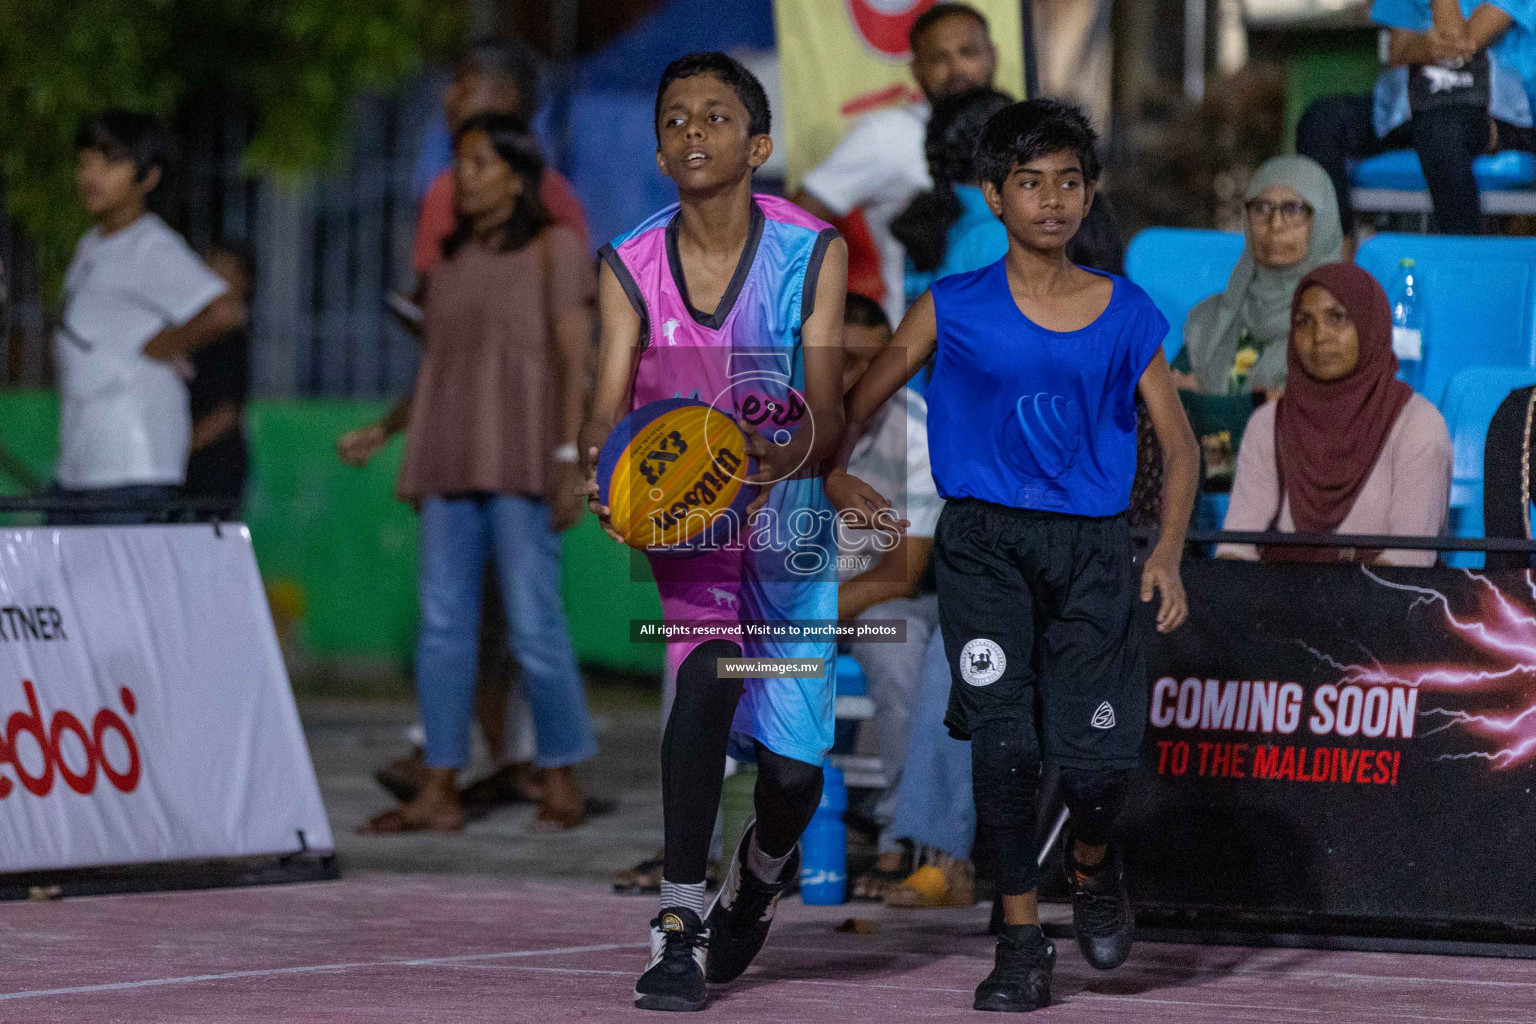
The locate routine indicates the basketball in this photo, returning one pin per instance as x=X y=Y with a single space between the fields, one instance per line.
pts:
x=672 y=474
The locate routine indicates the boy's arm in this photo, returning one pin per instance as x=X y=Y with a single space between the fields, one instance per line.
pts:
x=821 y=338
x=224 y=314
x=1181 y=468
x=877 y=585
x=911 y=347
x=619 y=331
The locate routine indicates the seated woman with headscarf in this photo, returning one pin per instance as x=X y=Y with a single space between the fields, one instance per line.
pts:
x=1348 y=448
x=1233 y=357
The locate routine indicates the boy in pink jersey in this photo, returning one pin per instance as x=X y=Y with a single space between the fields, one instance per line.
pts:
x=734 y=299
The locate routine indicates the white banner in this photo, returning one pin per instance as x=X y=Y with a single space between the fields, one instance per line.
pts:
x=145 y=708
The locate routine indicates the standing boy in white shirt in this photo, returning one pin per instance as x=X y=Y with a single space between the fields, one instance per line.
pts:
x=137 y=301
x=879 y=166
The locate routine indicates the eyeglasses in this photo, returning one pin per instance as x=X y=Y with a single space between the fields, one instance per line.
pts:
x=1291 y=211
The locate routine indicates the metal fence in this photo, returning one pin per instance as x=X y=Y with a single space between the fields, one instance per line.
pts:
x=328 y=248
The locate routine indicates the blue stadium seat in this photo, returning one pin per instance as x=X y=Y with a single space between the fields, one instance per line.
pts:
x=1471 y=399
x=1478 y=296
x=1178 y=267
x=1400 y=170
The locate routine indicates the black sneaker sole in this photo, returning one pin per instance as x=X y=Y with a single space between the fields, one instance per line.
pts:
x=997 y=1005
x=676 y=1004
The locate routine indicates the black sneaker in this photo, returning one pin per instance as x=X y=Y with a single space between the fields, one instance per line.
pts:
x=675 y=978
x=1021 y=979
x=1101 y=909
x=742 y=912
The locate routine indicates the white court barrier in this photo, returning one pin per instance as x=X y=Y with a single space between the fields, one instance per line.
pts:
x=146 y=712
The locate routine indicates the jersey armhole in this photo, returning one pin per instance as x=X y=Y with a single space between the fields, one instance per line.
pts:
x=813 y=272
x=607 y=254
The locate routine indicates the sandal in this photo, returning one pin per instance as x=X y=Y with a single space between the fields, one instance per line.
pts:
x=873 y=884
x=644 y=879
x=944 y=881
x=395 y=822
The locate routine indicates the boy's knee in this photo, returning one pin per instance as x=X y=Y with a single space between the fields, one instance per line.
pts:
x=1005 y=770
x=1095 y=798
x=794 y=784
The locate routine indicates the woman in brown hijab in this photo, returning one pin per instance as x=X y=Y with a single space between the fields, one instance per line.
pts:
x=1348 y=449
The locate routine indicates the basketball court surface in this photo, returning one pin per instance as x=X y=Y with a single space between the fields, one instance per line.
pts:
x=382 y=948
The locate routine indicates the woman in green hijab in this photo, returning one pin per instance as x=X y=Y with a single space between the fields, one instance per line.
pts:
x=1234 y=341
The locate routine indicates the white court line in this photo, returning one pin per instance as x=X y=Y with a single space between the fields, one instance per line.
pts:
x=1095 y=996
x=122 y=986
x=1212 y=972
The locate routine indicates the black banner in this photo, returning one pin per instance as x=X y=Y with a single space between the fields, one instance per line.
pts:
x=1342 y=741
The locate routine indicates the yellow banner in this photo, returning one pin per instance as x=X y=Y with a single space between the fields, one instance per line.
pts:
x=840 y=59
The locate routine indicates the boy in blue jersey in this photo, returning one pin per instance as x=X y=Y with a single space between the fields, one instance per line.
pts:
x=1032 y=436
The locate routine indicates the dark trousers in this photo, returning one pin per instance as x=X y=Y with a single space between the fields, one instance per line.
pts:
x=1336 y=129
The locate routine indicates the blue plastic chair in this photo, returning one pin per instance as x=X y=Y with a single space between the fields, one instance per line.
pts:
x=1178 y=267
x=1400 y=170
x=1471 y=399
x=1478 y=300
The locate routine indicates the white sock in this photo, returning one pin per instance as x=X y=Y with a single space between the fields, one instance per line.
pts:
x=766 y=868
x=683 y=894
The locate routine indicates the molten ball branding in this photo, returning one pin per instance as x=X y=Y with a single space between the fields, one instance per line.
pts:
x=41 y=749
x=672 y=474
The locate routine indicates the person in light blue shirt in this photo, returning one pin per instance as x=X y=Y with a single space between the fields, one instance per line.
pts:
x=1457 y=83
x=949 y=229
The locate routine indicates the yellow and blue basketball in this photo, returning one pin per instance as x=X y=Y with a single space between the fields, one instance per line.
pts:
x=673 y=475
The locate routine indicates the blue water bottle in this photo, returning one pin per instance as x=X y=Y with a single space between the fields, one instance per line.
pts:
x=1408 y=324
x=824 y=849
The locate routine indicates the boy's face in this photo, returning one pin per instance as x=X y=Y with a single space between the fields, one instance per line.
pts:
x=860 y=347
x=1043 y=201
x=702 y=137
x=953 y=55
x=473 y=92
x=105 y=185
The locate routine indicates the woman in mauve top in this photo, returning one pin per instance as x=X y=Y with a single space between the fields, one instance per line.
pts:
x=490 y=461
x=1348 y=448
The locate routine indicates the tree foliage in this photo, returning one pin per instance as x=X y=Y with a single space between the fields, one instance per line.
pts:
x=295 y=66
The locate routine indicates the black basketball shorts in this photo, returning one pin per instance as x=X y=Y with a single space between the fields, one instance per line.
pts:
x=1038 y=611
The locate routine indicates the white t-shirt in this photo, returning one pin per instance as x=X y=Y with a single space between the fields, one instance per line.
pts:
x=892 y=457
x=879 y=166
x=124 y=418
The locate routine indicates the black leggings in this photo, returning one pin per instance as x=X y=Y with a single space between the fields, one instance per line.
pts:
x=1336 y=129
x=693 y=768
x=1005 y=776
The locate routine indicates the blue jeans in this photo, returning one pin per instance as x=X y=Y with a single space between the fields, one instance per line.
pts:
x=933 y=801
x=457 y=535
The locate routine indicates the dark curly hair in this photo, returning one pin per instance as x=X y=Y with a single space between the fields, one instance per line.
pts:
x=730 y=71
x=923 y=227
x=1020 y=133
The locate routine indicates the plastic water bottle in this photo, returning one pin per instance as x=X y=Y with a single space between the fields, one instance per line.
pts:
x=824 y=849
x=1408 y=323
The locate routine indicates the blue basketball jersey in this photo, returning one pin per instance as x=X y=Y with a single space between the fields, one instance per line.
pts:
x=1023 y=416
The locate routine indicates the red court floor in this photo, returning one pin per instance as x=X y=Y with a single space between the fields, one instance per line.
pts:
x=387 y=948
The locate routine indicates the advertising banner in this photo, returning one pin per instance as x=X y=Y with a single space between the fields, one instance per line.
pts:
x=1351 y=741
x=145 y=708
x=841 y=59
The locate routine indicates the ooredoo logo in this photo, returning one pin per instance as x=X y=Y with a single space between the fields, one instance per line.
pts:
x=884 y=24
x=37 y=750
